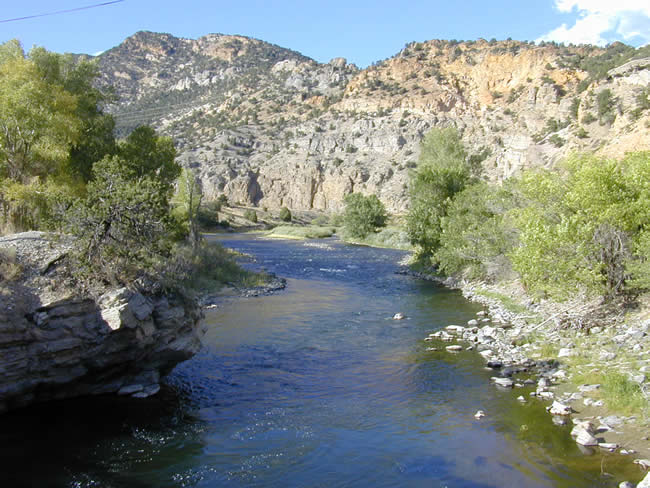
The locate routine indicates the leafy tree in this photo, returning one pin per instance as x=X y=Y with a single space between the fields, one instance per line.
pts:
x=77 y=76
x=476 y=234
x=250 y=215
x=285 y=214
x=124 y=224
x=38 y=120
x=144 y=153
x=443 y=170
x=581 y=229
x=186 y=203
x=363 y=215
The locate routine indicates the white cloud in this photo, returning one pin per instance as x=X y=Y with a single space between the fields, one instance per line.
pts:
x=603 y=21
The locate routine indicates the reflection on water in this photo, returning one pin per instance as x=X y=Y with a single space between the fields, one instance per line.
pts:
x=314 y=386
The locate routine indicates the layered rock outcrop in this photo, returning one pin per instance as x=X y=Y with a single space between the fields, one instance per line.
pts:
x=55 y=343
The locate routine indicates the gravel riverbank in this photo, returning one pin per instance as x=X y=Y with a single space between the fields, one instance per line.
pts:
x=587 y=361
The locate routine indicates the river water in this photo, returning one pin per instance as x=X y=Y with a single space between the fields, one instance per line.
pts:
x=314 y=386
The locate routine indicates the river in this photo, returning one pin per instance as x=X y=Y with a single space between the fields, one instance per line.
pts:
x=313 y=386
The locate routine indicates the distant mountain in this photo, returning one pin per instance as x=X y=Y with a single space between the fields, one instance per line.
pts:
x=268 y=126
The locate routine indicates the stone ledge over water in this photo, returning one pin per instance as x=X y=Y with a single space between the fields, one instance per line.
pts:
x=56 y=343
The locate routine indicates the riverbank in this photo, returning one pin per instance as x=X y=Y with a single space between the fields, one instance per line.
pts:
x=587 y=360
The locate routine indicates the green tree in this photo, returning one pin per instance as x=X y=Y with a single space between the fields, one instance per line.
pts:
x=363 y=215
x=285 y=214
x=186 y=203
x=476 y=234
x=443 y=170
x=77 y=76
x=144 y=153
x=38 y=119
x=580 y=229
x=123 y=225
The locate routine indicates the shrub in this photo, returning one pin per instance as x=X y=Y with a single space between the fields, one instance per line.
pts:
x=584 y=229
x=474 y=234
x=363 y=214
x=285 y=214
x=250 y=215
x=443 y=170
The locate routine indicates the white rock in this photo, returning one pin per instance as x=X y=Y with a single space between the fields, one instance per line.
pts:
x=644 y=463
x=479 y=414
x=455 y=329
x=454 y=348
x=565 y=352
x=399 y=316
x=607 y=356
x=610 y=446
x=558 y=408
x=584 y=438
x=487 y=353
x=638 y=378
x=505 y=382
x=521 y=399
x=548 y=395
x=645 y=482
x=472 y=322
x=587 y=388
x=582 y=426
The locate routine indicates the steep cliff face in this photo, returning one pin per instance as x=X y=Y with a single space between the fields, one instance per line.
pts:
x=266 y=126
x=57 y=344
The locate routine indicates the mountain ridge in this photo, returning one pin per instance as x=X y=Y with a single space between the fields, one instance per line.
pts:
x=267 y=126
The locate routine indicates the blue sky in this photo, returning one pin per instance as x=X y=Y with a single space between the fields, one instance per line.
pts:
x=361 y=31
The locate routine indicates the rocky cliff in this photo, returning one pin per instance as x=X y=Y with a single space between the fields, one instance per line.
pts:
x=57 y=343
x=267 y=126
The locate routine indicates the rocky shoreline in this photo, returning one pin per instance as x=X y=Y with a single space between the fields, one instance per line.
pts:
x=57 y=342
x=213 y=300
x=542 y=348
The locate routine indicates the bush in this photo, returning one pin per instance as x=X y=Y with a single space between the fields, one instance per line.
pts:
x=443 y=170
x=584 y=230
x=363 y=215
x=285 y=214
x=475 y=235
x=250 y=215
x=605 y=102
x=208 y=215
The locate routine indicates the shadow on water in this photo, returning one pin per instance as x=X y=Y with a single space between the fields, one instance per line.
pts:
x=314 y=386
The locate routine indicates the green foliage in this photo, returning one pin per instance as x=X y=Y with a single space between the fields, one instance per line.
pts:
x=38 y=121
x=363 y=214
x=606 y=102
x=145 y=154
x=638 y=265
x=204 y=268
x=443 y=170
x=250 y=215
x=578 y=230
x=589 y=118
x=556 y=140
x=285 y=214
x=186 y=203
x=35 y=205
x=123 y=225
x=208 y=214
x=475 y=234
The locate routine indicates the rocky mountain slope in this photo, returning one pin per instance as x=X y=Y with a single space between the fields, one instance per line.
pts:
x=269 y=127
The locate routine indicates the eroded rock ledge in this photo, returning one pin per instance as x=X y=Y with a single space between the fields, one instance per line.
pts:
x=56 y=343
